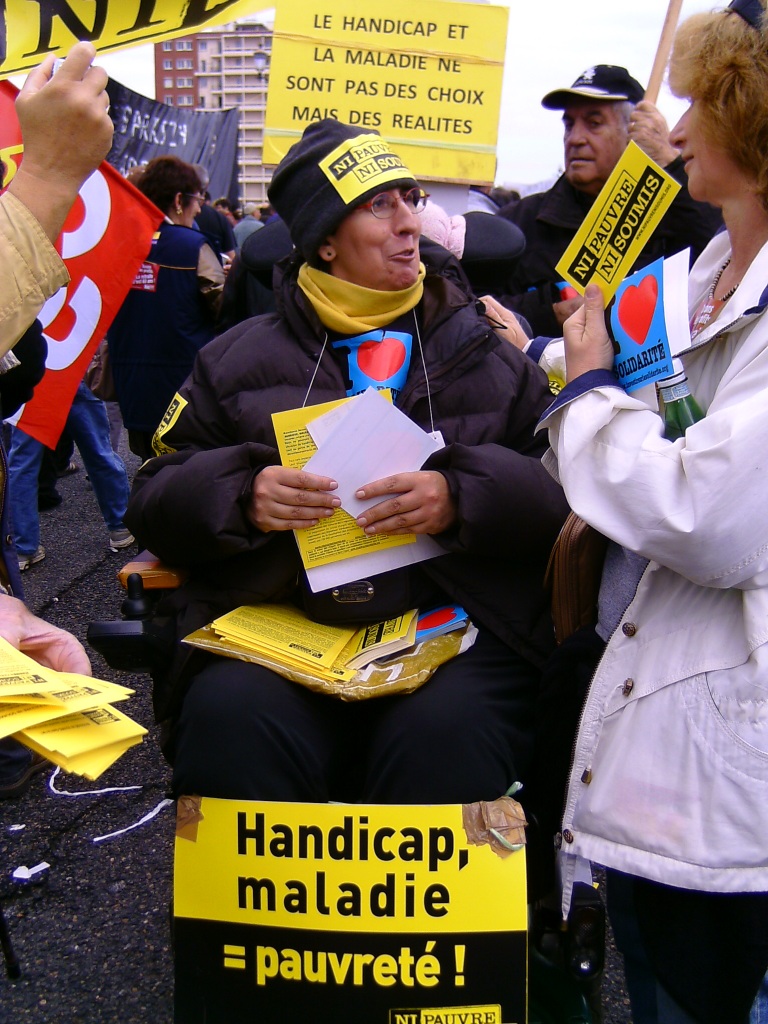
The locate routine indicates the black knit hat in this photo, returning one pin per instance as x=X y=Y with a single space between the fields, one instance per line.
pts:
x=607 y=82
x=332 y=169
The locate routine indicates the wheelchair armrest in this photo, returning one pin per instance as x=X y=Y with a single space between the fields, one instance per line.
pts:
x=141 y=641
x=155 y=575
x=134 y=645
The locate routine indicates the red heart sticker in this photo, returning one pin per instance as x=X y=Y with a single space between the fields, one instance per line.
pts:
x=379 y=360
x=436 y=618
x=636 y=307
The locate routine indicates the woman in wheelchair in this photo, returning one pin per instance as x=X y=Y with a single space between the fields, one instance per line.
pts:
x=358 y=304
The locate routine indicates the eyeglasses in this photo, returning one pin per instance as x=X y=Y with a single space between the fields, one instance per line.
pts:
x=194 y=195
x=384 y=204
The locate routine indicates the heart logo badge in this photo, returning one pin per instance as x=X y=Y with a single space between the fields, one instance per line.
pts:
x=379 y=360
x=636 y=308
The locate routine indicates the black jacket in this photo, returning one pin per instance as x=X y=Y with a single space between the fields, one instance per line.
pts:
x=188 y=506
x=549 y=220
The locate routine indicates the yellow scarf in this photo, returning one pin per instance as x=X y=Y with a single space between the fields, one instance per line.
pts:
x=351 y=309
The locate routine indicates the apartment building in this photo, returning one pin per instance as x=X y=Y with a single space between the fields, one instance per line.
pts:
x=227 y=66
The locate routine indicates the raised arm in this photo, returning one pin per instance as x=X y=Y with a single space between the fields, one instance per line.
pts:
x=66 y=131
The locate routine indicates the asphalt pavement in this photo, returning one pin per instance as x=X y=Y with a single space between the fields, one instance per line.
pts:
x=92 y=936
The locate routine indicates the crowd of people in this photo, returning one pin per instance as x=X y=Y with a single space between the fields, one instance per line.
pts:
x=669 y=780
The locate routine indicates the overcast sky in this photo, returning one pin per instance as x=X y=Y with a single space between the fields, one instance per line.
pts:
x=549 y=44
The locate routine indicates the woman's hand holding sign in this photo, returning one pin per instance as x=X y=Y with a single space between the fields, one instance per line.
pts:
x=587 y=343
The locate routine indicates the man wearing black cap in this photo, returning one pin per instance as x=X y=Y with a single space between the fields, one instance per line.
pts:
x=602 y=111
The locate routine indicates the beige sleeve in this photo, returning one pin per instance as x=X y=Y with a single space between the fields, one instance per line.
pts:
x=210 y=278
x=32 y=270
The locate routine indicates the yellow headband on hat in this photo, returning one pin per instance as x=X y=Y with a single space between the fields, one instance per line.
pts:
x=361 y=164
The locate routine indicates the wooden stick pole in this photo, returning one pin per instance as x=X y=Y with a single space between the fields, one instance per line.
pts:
x=663 y=50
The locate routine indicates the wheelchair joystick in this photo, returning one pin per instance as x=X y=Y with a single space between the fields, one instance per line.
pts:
x=136 y=604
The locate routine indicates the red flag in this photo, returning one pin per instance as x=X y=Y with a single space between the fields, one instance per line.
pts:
x=106 y=238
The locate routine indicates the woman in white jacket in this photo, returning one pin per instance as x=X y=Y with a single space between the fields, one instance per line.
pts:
x=669 y=786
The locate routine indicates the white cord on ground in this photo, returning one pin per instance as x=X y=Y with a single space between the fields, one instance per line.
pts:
x=85 y=792
x=142 y=821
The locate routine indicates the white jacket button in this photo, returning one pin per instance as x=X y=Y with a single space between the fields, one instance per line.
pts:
x=568 y=836
x=629 y=629
x=628 y=687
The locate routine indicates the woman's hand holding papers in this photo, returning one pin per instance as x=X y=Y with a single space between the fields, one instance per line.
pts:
x=421 y=502
x=290 y=499
x=48 y=645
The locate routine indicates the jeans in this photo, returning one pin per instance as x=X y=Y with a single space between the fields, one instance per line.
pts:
x=88 y=426
x=759 y=1012
x=650 y=1001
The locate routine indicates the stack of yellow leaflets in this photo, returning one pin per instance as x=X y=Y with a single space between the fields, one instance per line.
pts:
x=285 y=634
x=65 y=717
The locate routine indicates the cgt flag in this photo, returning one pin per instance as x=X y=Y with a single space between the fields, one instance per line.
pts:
x=106 y=237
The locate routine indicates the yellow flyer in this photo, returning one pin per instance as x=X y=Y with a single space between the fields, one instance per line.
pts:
x=83 y=731
x=81 y=694
x=625 y=214
x=90 y=764
x=338 y=536
x=94 y=763
x=381 y=639
x=284 y=630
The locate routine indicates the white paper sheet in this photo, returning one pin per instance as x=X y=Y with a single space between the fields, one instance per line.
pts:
x=675 y=271
x=373 y=440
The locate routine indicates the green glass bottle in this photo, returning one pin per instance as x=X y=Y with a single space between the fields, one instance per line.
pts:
x=680 y=407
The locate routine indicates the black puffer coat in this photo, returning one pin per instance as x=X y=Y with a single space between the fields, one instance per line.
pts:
x=550 y=219
x=187 y=506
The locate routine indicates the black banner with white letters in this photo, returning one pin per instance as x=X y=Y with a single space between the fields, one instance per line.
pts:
x=145 y=128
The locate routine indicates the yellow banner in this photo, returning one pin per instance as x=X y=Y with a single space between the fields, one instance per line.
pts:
x=625 y=214
x=427 y=78
x=29 y=31
x=344 y=868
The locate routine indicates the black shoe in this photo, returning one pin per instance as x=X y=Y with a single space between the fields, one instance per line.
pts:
x=19 y=786
x=45 y=502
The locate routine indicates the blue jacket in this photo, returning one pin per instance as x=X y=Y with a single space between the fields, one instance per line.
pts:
x=160 y=328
